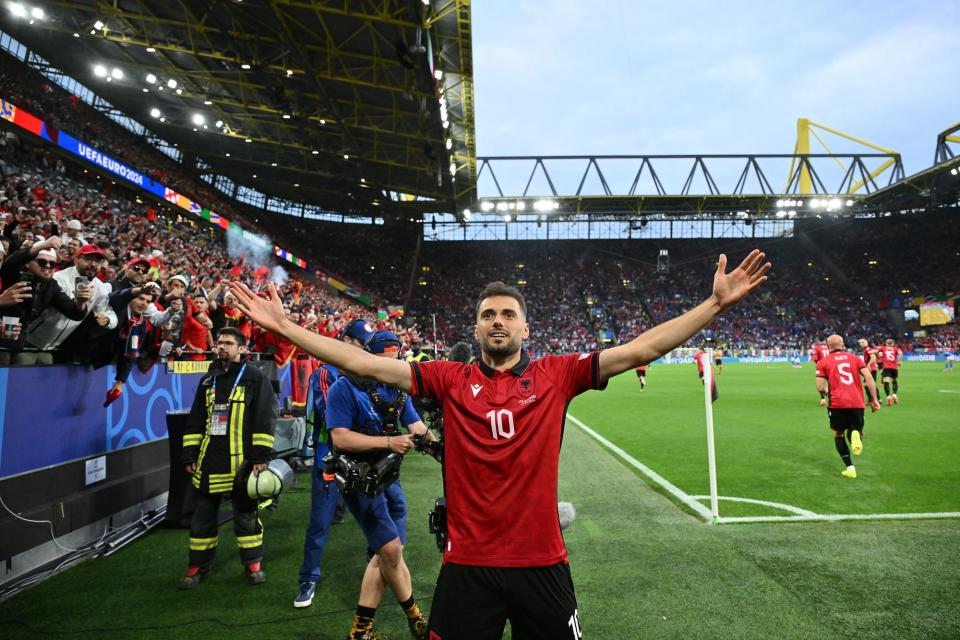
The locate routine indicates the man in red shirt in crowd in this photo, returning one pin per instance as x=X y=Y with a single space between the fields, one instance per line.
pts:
x=841 y=372
x=891 y=357
x=504 y=417
x=197 y=340
x=820 y=351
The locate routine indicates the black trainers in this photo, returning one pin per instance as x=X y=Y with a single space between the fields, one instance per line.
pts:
x=191 y=580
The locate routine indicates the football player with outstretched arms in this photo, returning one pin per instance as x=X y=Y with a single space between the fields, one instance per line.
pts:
x=504 y=415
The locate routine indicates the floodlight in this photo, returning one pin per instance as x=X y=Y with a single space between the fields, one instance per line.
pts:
x=450 y=144
x=18 y=10
x=98 y=25
x=37 y=13
x=453 y=168
x=172 y=83
x=152 y=79
x=506 y=218
x=438 y=74
x=116 y=74
x=155 y=112
x=486 y=206
x=100 y=71
x=218 y=124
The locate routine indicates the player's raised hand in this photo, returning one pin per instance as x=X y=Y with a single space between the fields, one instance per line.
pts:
x=731 y=288
x=268 y=313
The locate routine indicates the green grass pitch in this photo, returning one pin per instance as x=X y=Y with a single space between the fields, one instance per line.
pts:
x=773 y=442
x=643 y=567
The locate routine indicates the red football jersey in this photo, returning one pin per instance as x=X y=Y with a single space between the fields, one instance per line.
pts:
x=866 y=357
x=502 y=432
x=888 y=357
x=842 y=371
x=820 y=351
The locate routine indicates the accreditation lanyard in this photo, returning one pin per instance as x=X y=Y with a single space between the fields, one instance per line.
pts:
x=220 y=417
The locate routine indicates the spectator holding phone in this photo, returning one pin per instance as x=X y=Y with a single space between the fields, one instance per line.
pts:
x=35 y=293
x=79 y=282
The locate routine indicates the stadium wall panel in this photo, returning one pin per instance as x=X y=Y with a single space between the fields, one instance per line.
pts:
x=52 y=415
x=59 y=494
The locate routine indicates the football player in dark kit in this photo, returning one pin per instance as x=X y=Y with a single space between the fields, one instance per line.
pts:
x=504 y=416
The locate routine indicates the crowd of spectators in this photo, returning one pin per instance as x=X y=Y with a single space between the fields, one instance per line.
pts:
x=583 y=294
x=91 y=275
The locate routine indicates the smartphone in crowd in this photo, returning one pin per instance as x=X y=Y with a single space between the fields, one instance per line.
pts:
x=80 y=281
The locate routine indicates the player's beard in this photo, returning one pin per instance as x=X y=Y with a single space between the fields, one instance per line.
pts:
x=501 y=351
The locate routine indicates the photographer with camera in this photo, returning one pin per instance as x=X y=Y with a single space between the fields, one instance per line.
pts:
x=325 y=500
x=364 y=418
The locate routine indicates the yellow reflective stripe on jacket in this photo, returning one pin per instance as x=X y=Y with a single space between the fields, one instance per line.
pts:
x=236 y=427
x=249 y=542
x=263 y=440
x=206 y=437
x=202 y=544
x=192 y=439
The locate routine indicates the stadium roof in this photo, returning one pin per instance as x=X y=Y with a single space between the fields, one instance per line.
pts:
x=340 y=104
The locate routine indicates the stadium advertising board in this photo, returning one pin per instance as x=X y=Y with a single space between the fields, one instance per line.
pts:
x=28 y=122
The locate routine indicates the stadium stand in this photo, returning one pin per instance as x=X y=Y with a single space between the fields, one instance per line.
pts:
x=585 y=293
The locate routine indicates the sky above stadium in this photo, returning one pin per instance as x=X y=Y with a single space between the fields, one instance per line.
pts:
x=637 y=77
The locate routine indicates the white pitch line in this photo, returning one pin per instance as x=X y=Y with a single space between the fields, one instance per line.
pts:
x=827 y=517
x=668 y=486
x=705 y=513
x=764 y=503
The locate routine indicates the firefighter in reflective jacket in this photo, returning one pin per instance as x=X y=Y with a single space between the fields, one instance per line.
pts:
x=229 y=434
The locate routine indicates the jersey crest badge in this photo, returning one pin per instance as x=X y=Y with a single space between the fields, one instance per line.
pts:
x=526 y=387
x=476 y=388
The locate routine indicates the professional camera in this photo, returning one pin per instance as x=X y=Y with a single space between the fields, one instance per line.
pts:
x=428 y=447
x=349 y=473
x=438 y=522
x=370 y=479
x=382 y=474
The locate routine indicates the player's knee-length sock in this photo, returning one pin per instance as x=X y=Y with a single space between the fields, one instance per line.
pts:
x=886 y=388
x=896 y=386
x=843 y=450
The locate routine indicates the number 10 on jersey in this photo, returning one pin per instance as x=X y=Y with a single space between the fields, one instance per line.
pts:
x=501 y=424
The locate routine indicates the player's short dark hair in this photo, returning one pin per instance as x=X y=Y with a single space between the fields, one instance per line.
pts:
x=460 y=352
x=499 y=288
x=234 y=332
